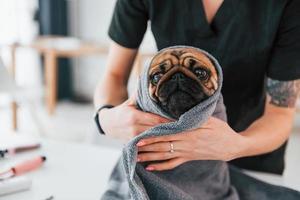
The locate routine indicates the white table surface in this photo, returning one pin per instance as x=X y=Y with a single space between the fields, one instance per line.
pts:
x=79 y=172
x=72 y=172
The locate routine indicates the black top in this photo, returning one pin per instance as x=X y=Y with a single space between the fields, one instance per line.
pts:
x=251 y=39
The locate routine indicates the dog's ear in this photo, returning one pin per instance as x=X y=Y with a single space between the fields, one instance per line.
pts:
x=214 y=64
x=213 y=80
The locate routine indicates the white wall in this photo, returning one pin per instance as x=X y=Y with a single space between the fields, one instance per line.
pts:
x=89 y=20
x=17 y=25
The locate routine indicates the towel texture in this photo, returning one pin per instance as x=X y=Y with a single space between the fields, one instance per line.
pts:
x=249 y=188
x=192 y=180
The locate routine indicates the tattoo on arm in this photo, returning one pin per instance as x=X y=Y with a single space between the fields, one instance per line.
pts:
x=283 y=93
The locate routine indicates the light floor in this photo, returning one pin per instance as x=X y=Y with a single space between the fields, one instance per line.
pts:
x=74 y=122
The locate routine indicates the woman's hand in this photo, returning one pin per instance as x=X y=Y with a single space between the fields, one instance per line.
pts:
x=215 y=140
x=125 y=121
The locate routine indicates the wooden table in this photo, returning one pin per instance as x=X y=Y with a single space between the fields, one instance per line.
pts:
x=53 y=48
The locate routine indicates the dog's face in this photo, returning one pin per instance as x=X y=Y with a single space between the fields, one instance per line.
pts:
x=181 y=78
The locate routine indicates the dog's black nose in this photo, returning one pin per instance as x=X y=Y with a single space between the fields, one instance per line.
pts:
x=178 y=76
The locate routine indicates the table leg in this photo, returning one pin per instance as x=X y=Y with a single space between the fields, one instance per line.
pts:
x=51 y=80
x=14 y=106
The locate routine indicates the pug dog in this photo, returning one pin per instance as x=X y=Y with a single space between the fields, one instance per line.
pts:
x=180 y=78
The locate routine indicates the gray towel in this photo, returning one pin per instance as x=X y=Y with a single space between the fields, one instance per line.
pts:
x=249 y=188
x=192 y=180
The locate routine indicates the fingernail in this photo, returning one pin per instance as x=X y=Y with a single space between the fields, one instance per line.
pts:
x=140 y=143
x=149 y=168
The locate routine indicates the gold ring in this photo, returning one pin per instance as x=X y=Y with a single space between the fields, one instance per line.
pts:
x=171 y=147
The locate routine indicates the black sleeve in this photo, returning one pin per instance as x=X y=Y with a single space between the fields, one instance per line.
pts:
x=285 y=59
x=129 y=23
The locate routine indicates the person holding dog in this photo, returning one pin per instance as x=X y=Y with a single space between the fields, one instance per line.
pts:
x=257 y=43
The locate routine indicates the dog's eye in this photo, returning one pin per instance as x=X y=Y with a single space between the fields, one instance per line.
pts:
x=202 y=74
x=155 y=78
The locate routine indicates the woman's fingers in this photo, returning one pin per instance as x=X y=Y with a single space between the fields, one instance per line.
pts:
x=166 y=165
x=150 y=119
x=156 y=156
x=136 y=130
x=166 y=138
x=138 y=117
x=131 y=101
x=162 y=146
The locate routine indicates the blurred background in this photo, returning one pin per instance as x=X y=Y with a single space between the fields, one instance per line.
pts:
x=54 y=52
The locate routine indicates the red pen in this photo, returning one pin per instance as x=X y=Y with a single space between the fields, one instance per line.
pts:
x=23 y=167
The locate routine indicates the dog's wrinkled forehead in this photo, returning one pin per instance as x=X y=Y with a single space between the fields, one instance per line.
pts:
x=180 y=56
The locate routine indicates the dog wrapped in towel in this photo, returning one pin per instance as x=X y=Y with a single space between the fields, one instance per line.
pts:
x=183 y=84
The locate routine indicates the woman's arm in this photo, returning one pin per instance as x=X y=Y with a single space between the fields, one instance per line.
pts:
x=273 y=128
x=123 y=121
x=112 y=89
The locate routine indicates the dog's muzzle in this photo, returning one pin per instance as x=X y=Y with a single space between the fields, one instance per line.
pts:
x=177 y=72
